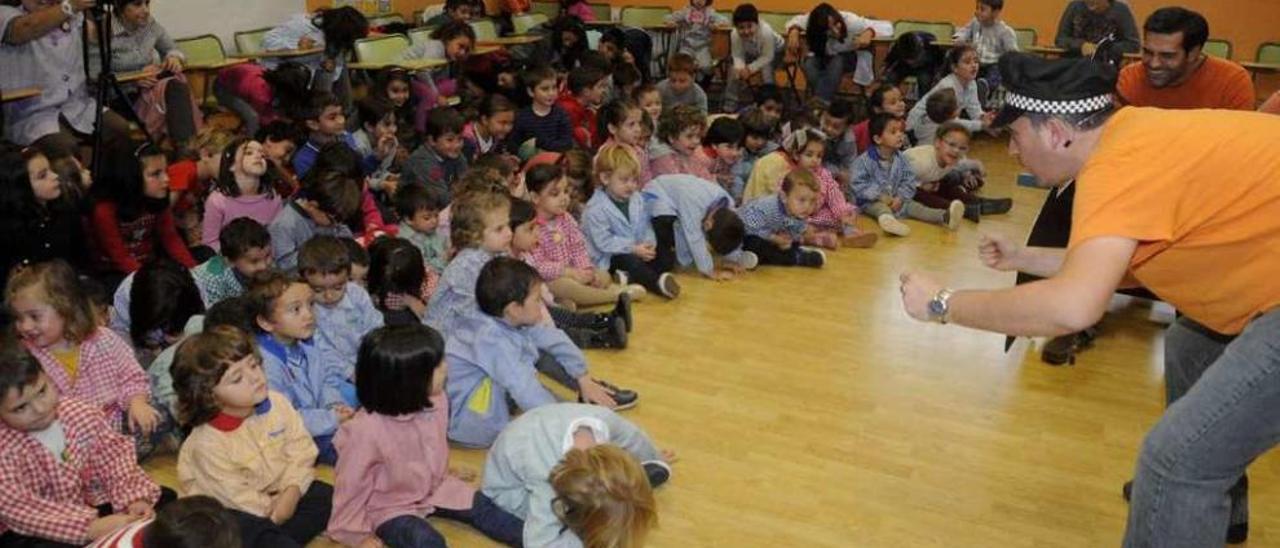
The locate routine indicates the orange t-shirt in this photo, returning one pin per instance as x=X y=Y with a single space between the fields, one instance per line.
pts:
x=1200 y=192
x=1218 y=83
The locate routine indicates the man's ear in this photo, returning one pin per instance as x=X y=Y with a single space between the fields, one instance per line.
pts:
x=313 y=125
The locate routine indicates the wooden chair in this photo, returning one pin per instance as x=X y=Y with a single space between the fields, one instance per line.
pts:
x=485 y=30
x=524 y=23
x=1218 y=48
x=381 y=49
x=1269 y=52
x=941 y=30
x=1026 y=38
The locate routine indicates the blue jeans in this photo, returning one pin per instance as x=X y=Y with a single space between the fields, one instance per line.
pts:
x=484 y=515
x=825 y=80
x=1224 y=412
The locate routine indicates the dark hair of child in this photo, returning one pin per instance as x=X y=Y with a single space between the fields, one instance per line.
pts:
x=942 y=106
x=373 y=109
x=192 y=522
x=163 y=297
x=726 y=232
x=584 y=78
x=880 y=122
x=614 y=113
x=121 y=179
x=359 y=255
x=236 y=312
x=242 y=234
x=542 y=175
x=394 y=368
x=395 y=266
x=503 y=281
x=443 y=121
x=323 y=255
x=334 y=192
x=226 y=181
x=414 y=198
x=521 y=212
x=18 y=368
x=724 y=130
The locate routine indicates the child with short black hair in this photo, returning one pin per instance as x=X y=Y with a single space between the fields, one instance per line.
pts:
x=285 y=318
x=561 y=254
x=757 y=142
x=399 y=282
x=842 y=146
x=626 y=80
x=721 y=149
x=756 y=50
x=941 y=107
x=776 y=223
x=454 y=11
x=679 y=88
x=707 y=222
x=619 y=236
x=884 y=185
x=245 y=250
x=489 y=132
x=543 y=120
x=401 y=433
x=885 y=98
x=322 y=206
x=189 y=522
x=279 y=141
x=494 y=353
x=768 y=100
x=344 y=313
x=583 y=96
x=577 y=474
x=326 y=122
x=63 y=460
x=990 y=36
x=377 y=144
x=359 y=261
x=248 y=448
x=439 y=162
x=681 y=131
x=419 y=209
x=945 y=174
x=152 y=306
x=693 y=24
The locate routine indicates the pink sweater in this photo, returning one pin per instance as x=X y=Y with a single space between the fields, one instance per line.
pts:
x=220 y=210
x=832 y=205
x=560 y=245
x=108 y=375
x=693 y=164
x=391 y=466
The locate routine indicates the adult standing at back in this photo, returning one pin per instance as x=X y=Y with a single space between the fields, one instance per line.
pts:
x=1085 y=23
x=1154 y=209
x=1175 y=72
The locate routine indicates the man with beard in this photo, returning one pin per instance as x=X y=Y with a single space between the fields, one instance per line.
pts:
x=1176 y=73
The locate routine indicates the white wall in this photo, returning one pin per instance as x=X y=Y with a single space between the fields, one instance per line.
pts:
x=183 y=18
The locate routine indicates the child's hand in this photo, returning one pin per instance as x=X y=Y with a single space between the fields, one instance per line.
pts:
x=306 y=43
x=387 y=146
x=104 y=526
x=582 y=276
x=284 y=504
x=896 y=204
x=669 y=456
x=344 y=413
x=783 y=241
x=601 y=280
x=142 y=417
x=592 y=392
x=724 y=275
x=987 y=119
x=140 y=509
x=391 y=184
x=646 y=252
x=464 y=473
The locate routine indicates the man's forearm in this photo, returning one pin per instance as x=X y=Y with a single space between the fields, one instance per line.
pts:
x=1042 y=308
x=1044 y=262
x=34 y=25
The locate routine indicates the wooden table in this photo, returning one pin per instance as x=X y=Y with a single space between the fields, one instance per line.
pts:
x=517 y=40
x=1256 y=68
x=213 y=67
x=413 y=65
x=280 y=53
x=19 y=94
x=602 y=24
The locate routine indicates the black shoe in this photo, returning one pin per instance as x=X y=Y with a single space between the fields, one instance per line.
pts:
x=657 y=471
x=626 y=399
x=810 y=257
x=1236 y=532
x=1127 y=490
x=612 y=336
x=996 y=206
x=623 y=309
x=1063 y=350
x=973 y=212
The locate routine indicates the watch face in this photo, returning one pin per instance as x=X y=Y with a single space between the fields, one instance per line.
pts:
x=936 y=308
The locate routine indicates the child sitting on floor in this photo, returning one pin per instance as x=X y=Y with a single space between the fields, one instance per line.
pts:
x=707 y=221
x=439 y=162
x=884 y=185
x=581 y=99
x=245 y=250
x=543 y=120
x=70 y=477
x=621 y=122
x=963 y=62
x=326 y=122
x=577 y=474
x=401 y=434
x=248 y=447
x=489 y=132
x=680 y=88
x=886 y=98
x=775 y=223
x=945 y=174
x=323 y=205
x=681 y=130
x=495 y=353
x=244 y=188
x=619 y=236
x=419 y=209
x=756 y=144
x=344 y=313
x=376 y=143
x=721 y=150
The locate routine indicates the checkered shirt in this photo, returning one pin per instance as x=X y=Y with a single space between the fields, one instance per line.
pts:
x=560 y=245
x=108 y=377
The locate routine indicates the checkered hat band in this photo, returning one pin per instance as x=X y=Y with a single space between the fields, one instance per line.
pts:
x=1078 y=106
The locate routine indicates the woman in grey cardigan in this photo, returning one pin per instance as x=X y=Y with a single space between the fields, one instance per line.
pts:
x=162 y=99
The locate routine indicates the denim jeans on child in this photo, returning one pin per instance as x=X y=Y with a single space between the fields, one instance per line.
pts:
x=825 y=79
x=484 y=515
x=1223 y=412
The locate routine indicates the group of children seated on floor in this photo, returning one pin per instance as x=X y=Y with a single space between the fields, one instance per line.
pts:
x=362 y=292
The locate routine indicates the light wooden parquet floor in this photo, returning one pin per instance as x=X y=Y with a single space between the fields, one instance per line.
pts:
x=809 y=410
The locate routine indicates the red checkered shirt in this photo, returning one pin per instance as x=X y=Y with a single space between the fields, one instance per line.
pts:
x=55 y=499
x=560 y=245
x=108 y=376
x=832 y=204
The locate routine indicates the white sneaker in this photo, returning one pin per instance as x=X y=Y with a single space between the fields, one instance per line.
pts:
x=636 y=291
x=748 y=260
x=622 y=278
x=891 y=225
x=955 y=213
x=670 y=287
x=816 y=259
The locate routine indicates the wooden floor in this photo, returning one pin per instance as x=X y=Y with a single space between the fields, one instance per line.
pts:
x=809 y=410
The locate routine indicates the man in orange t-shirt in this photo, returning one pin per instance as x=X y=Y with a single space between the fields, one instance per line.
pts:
x=1185 y=203
x=1175 y=72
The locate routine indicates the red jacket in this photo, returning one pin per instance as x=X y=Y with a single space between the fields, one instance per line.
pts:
x=582 y=119
x=125 y=246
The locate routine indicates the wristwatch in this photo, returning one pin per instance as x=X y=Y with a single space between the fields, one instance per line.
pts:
x=68 y=9
x=940 y=306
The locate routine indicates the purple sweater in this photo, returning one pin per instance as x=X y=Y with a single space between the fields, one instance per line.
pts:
x=220 y=210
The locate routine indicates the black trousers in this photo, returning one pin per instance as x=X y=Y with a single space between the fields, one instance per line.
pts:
x=308 y=521
x=640 y=271
x=664 y=227
x=770 y=253
x=11 y=539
